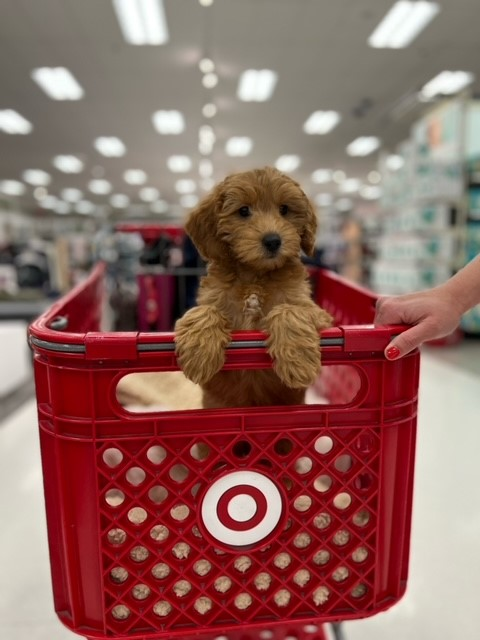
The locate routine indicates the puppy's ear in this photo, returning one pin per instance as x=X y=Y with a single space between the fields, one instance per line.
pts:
x=201 y=226
x=310 y=229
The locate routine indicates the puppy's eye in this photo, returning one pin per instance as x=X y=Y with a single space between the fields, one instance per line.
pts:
x=244 y=211
x=284 y=209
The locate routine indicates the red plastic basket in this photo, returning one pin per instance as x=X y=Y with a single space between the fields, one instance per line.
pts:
x=223 y=523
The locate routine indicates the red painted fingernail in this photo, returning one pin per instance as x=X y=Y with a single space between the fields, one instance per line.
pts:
x=393 y=353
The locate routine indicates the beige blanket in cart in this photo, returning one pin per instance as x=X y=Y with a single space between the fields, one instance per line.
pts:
x=166 y=391
x=169 y=391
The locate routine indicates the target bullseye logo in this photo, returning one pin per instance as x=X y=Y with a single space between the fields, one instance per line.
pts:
x=241 y=508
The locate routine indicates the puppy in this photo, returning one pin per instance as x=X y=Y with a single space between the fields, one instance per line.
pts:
x=251 y=230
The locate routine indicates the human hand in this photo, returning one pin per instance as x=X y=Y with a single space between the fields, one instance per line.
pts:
x=432 y=314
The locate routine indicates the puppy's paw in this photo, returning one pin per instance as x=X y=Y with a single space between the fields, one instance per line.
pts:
x=294 y=345
x=322 y=319
x=201 y=336
x=297 y=368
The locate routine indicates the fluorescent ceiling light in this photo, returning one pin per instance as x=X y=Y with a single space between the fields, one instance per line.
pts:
x=403 y=23
x=287 y=163
x=238 y=146
x=256 y=85
x=206 y=3
x=68 y=164
x=149 y=194
x=207 y=134
x=12 y=187
x=100 y=186
x=72 y=195
x=13 y=123
x=205 y=168
x=142 y=22
x=185 y=186
x=339 y=176
x=351 y=185
x=36 y=177
x=58 y=83
x=321 y=122
x=447 y=83
x=119 y=201
x=209 y=110
x=206 y=139
x=394 y=162
x=206 y=65
x=363 y=146
x=135 y=176
x=110 y=147
x=322 y=176
x=168 y=122
x=179 y=164
x=210 y=80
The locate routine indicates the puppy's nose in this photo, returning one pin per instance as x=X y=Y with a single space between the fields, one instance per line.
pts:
x=272 y=242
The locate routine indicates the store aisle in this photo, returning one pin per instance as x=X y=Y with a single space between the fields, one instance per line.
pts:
x=442 y=598
x=25 y=596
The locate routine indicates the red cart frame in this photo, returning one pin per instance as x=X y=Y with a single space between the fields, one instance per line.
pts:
x=138 y=504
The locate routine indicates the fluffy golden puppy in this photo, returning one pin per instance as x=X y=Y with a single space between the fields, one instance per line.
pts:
x=251 y=230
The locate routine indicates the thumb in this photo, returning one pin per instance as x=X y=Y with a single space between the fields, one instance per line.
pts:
x=406 y=342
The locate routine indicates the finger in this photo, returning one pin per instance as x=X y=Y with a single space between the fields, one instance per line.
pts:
x=385 y=313
x=406 y=342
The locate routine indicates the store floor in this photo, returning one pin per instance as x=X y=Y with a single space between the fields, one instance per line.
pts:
x=442 y=600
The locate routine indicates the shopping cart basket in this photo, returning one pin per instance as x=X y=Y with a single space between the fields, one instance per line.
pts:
x=227 y=523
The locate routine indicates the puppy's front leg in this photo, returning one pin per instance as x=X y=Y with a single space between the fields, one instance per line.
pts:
x=201 y=337
x=294 y=342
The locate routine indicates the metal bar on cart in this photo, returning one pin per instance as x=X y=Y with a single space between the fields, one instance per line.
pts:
x=63 y=347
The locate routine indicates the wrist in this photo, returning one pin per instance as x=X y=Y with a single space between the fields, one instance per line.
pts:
x=459 y=298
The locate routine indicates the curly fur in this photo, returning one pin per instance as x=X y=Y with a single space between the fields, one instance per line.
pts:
x=251 y=230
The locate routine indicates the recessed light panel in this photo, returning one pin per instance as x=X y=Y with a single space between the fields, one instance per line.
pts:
x=36 y=177
x=142 y=22
x=68 y=164
x=135 y=176
x=256 y=85
x=110 y=146
x=363 y=146
x=168 y=122
x=238 y=146
x=321 y=122
x=58 y=83
x=13 y=123
x=403 y=23
x=287 y=163
x=179 y=164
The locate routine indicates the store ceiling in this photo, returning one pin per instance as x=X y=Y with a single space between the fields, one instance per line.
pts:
x=318 y=48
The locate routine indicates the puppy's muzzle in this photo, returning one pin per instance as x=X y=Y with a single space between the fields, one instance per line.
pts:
x=272 y=243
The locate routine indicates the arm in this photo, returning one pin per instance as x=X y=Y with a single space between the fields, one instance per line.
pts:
x=433 y=313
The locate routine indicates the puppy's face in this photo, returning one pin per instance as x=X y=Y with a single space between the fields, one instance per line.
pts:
x=259 y=218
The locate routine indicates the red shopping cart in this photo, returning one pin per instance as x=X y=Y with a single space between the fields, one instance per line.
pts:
x=238 y=524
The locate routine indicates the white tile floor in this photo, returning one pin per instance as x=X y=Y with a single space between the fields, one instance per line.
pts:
x=443 y=598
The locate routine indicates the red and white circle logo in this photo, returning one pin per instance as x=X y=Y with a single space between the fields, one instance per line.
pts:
x=241 y=508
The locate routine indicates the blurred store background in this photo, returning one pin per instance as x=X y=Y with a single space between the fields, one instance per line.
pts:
x=129 y=111
x=117 y=116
